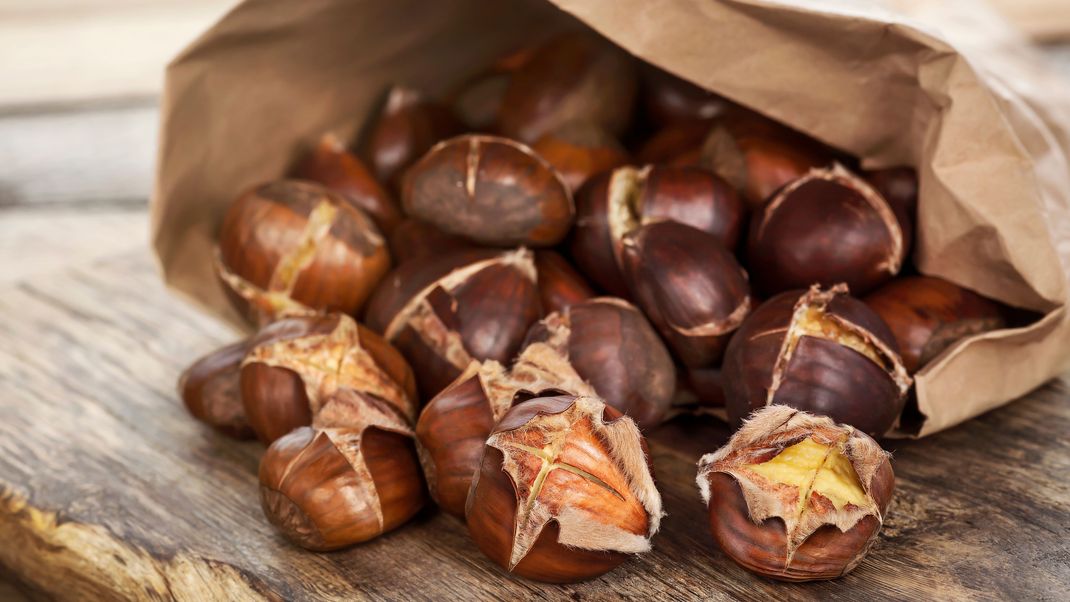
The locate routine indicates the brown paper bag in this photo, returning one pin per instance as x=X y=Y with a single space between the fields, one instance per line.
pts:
x=985 y=129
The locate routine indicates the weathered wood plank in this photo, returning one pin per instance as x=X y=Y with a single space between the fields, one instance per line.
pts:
x=110 y=490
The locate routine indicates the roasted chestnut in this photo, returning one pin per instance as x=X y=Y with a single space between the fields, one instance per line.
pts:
x=669 y=99
x=413 y=239
x=408 y=125
x=796 y=497
x=292 y=246
x=579 y=150
x=560 y=285
x=210 y=389
x=564 y=491
x=826 y=227
x=491 y=190
x=677 y=144
x=899 y=186
x=478 y=101
x=822 y=351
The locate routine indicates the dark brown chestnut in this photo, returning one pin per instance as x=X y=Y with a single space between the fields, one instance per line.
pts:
x=210 y=389
x=676 y=144
x=689 y=285
x=560 y=285
x=927 y=315
x=899 y=186
x=670 y=99
x=492 y=190
x=796 y=497
x=822 y=351
x=478 y=101
x=579 y=150
x=291 y=246
x=575 y=76
x=413 y=239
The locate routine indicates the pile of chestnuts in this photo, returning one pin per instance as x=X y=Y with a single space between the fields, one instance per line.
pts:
x=488 y=299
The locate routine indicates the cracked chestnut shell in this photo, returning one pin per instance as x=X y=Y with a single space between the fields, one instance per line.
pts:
x=445 y=311
x=691 y=287
x=795 y=496
x=927 y=315
x=579 y=150
x=575 y=76
x=670 y=99
x=826 y=227
x=408 y=125
x=564 y=491
x=560 y=285
x=489 y=189
x=347 y=479
x=291 y=246
x=618 y=202
x=210 y=389
x=296 y=364
x=822 y=351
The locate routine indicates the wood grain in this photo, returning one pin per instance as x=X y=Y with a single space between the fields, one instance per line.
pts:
x=111 y=491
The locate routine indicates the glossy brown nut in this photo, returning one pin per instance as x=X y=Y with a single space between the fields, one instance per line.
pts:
x=824 y=228
x=669 y=99
x=691 y=287
x=331 y=164
x=580 y=150
x=560 y=285
x=210 y=389
x=553 y=500
x=408 y=125
x=574 y=77
x=927 y=315
x=675 y=143
x=708 y=386
x=899 y=186
x=478 y=100
x=492 y=190
x=296 y=364
x=291 y=246
x=413 y=239
x=820 y=351
x=444 y=312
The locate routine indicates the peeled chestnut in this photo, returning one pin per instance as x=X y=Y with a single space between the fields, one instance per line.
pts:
x=826 y=227
x=796 y=497
x=291 y=246
x=564 y=490
x=691 y=287
x=617 y=202
x=445 y=311
x=579 y=150
x=560 y=285
x=332 y=165
x=822 y=351
x=492 y=190
x=575 y=76
x=295 y=364
x=210 y=390
x=670 y=99
x=927 y=315
x=408 y=125
x=413 y=239
x=333 y=486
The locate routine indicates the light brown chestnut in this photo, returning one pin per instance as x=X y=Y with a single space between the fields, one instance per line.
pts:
x=796 y=497
x=408 y=125
x=293 y=247
x=210 y=389
x=691 y=287
x=564 y=491
x=492 y=190
x=822 y=351
x=927 y=315
x=579 y=150
x=560 y=285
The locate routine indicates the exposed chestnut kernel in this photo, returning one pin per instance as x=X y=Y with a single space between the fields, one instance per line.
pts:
x=564 y=491
x=413 y=239
x=691 y=287
x=575 y=76
x=210 y=389
x=330 y=486
x=899 y=186
x=444 y=312
x=669 y=99
x=826 y=227
x=491 y=190
x=407 y=127
x=331 y=164
x=295 y=364
x=821 y=351
x=293 y=247
x=927 y=315
x=675 y=144
x=579 y=150
x=560 y=285
x=796 y=497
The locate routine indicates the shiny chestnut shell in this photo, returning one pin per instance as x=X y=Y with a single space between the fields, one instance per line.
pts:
x=560 y=285
x=210 y=389
x=408 y=125
x=670 y=99
x=414 y=239
x=578 y=151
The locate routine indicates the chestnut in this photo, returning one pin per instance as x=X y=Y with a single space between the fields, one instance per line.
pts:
x=210 y=390
x=295 y=364
x=689 y=285
x=492 y=190
x=927 y=315
x=407 y=126
x=331 y=164
x=826 y=227
x=796 y=497
x=899 y=186
x=329 y=487
x=560 y=285
x=564 y=490
x=414 y=239
x=670 y=99
x=579 y=150
x=822 y=351
x=617 y=202
x=576 y=76
x=478 y=101
x=677 y=144
x=445 y=311
x=291 y=246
